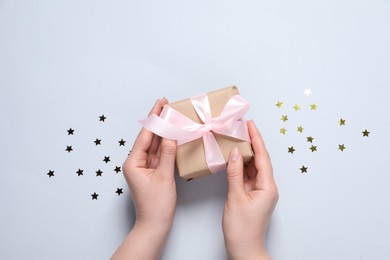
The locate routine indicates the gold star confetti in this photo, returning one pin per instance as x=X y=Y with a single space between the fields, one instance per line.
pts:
x=279 y=104
x=309 y=139
x=341 y=147
x=313 y=148
x=313 y=106
x=291 y=149
x=365 y=133
x=300 y=129
x=341 y=122
x=307 y=91
x=284 y=118
x=297 y=107
x=303 y=169
x=283 y=130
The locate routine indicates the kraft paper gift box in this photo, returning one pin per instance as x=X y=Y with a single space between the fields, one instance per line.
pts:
x=190 y=157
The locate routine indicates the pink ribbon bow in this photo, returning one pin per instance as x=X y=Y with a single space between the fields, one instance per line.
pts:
x=173 y=125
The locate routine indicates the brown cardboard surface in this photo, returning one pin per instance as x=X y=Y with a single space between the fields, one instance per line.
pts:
x=190 y=158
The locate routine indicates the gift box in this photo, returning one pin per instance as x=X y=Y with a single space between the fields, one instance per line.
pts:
x=207 y=127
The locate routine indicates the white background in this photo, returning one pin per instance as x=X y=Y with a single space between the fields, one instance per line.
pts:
x=64 y=63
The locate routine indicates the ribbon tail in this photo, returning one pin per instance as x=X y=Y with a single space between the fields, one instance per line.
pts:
x=213 y=154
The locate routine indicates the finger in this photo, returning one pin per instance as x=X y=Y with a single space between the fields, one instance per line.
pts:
x=144 y=139
x=263 y=164
x=234 y=172
x=166 y=166
x=155 y=144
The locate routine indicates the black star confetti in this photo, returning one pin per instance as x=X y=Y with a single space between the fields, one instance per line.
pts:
x=80 y=172
x=291 y=149
x=98 y=141
x=102 y=118
x=117 y=169
x=303 y=169
x=94 y=196
x=121 y=142
x=342 y=147
x=365 y=133
x=106 y=159
x=69 y=148
x=50 y=173
x=70 y=131
x=119 y=191
x=309 y=139
x=313 y=148
x=99 y=173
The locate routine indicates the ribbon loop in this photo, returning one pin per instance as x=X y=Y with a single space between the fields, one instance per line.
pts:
x=171 y=124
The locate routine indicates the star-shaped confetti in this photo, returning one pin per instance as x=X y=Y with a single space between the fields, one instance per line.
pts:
x=309 y=139
x=117 y=169
x=70 y=131
x=297 y=107
x=284 y=118
x=102 y=118
x=313 y=107
x=291 y=149
x=98 y=141
x=69 y=148
x=313 y=148
x=307 y=91
x=283 y=130
x=80 y=172
x=300 y=129
x=121 y=142
x=99 y=173
x=279 y=104
x=365 y=133
x=50 y=173
x=342 y=122
x=342 y=147
x=119 y=191
x=303 y=169
x=94 y=196
x=106 y=159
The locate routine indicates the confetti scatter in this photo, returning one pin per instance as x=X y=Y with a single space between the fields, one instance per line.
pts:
x=106 y=159
x=99 y=173
x=98 y=141
x=307 y=92
x=69 y=148
x=365 y=133
x=313 y=148
x=279 y=104
x=300 y=129
x=342 y=122
x=94 y=196
x=284 y=118
x=50 y=173
x=303 y=169
x=342 y=147
x=122 y=142
x=291 y=149
x=313 y=107
x=102 y=118
x=70 y=131
x=117 y=169
x=80 y=172
x=119 y=191
x=283 y=130
x=297 y=107
x=309 y=139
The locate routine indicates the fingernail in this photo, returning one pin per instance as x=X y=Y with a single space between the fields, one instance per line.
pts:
x=235 y=154
x=164 y=99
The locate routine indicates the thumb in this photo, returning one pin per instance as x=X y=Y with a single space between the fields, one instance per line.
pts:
x=166 y=166
x=235 y=176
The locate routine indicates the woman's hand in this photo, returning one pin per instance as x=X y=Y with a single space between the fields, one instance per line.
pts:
x=251 y=199
x=149 y=172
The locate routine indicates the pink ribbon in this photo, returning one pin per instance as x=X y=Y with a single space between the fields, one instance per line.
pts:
x=171 y=124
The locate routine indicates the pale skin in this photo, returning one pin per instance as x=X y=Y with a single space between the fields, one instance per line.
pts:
x=149 y=172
